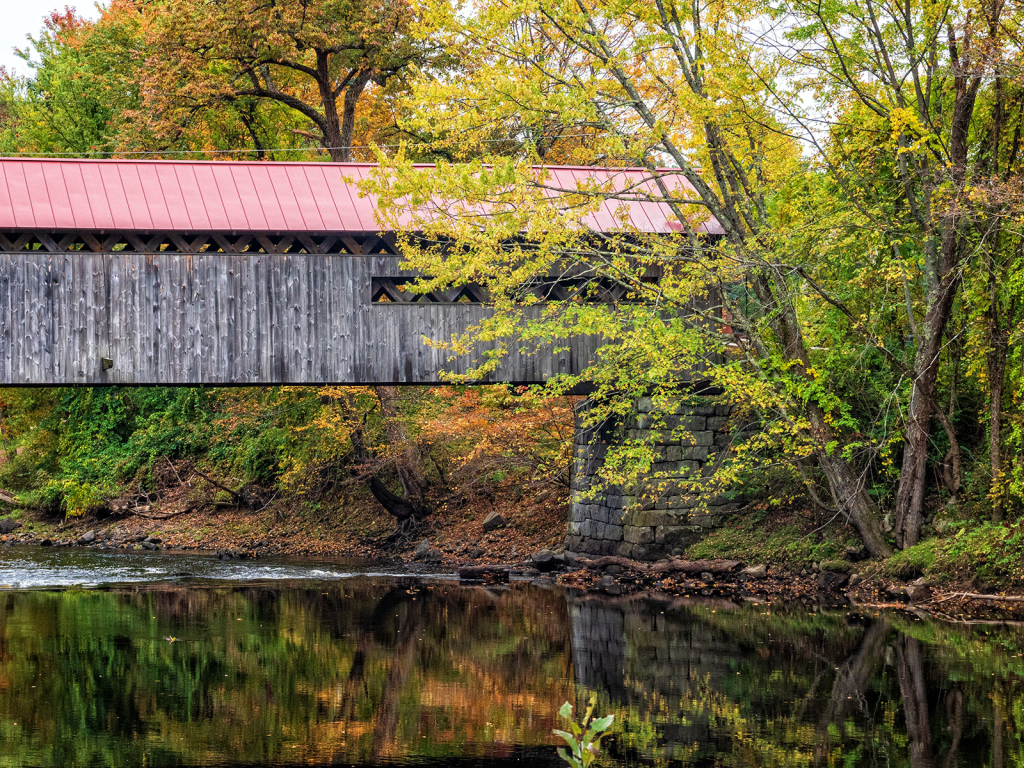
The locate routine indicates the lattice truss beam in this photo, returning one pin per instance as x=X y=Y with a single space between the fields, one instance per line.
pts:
x=398 y=290
x=355 y=244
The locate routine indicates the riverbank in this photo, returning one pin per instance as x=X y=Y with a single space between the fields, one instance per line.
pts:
x=525 y=546
x=357 y=528
x=965 y=574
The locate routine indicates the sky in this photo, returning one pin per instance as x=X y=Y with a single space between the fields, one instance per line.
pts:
x=19 y=18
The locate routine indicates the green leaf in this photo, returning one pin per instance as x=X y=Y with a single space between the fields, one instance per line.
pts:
x=568 y=738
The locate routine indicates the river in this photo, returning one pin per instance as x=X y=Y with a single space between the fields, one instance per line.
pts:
x=163 y=659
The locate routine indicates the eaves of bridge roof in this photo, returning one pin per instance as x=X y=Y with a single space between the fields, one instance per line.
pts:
x=264 y=197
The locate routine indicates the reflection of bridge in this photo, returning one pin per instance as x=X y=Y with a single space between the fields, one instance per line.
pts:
x=161 y=272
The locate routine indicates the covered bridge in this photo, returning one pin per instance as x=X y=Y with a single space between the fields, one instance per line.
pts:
x=170 y=272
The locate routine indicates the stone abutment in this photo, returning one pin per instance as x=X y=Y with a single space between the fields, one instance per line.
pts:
x=666 y=511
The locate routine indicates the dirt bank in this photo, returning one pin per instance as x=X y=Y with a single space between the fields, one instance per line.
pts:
x=357 y=528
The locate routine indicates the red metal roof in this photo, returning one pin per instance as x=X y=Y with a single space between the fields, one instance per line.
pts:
x=210 y=196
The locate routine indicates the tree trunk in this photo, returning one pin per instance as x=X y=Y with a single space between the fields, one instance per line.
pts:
x=348 y=117
x=338 y=129
x=944 y=276
x=855 y=502
x=407 y=454
x=910 y=495
x=402 y=508
x=996 y=372
x=399 y=508
x=998 y=348
x=846 y=486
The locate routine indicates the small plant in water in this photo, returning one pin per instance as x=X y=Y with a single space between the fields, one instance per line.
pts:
x=585 y=739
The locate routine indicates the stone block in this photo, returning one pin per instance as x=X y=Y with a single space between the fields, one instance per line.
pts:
x=645 y=404
x=680 y=503
x=700 y=439
x=673 y=453
x=694 y=453
x=723 y=410
x=703 y=410
x=615 y=516
x=632 y=551
x=676 y=534
x=586 y=528
x=727 y=508
x=574 y=529
x=717 y=422
x=650 y=519
x=637 y=535
x=722 y=439
x=705 y=519
x=693 y=423
x=613 y=532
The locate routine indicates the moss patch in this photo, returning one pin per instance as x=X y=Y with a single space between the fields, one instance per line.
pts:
x=990 y=553
x=759 y=539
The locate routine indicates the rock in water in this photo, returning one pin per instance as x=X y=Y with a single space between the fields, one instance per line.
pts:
x=87 y=538
x=475 y=552
x=422 y=549
x=544 y=560
x=494 y=521
x=433 y=556
x=755 y=572
x=9 y=525
x=609 y=585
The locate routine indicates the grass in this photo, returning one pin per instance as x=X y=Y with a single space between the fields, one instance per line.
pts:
x=981 y=551
x=758 y=539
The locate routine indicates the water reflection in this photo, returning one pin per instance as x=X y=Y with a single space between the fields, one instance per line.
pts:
x=719 y=684
x=404 y=672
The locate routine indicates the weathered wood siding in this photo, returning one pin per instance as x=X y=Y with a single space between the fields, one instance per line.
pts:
x=218 y=318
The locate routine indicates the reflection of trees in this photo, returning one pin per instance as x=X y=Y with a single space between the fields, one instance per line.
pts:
x=315 y=674
x=706 y=685
x=374 y=672
x=914 y=694
x=852 y=682
x=408 y=636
